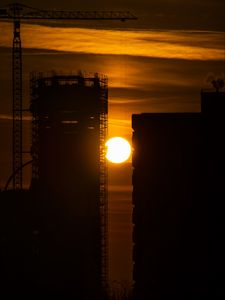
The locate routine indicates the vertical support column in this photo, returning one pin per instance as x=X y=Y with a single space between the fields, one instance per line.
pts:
x=34 y=84
x=17 y=107
x=104 y=181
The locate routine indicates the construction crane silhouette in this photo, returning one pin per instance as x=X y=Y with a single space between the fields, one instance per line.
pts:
x=17 y=12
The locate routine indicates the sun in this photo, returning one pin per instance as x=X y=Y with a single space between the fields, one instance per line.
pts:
x=118 y=150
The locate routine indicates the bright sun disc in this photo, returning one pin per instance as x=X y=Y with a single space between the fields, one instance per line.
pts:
x=118 y=150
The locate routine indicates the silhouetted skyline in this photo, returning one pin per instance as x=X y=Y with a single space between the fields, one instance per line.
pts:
x=56 y=239
x=178 y=187
x=156 y=64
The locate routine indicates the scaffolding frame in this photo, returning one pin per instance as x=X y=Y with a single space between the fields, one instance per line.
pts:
x=17 y=142
x=36 y=80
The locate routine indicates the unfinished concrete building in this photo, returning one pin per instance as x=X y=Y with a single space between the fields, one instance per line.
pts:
x=69 y=174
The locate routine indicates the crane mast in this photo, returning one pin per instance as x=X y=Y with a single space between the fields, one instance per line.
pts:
x=17 y=104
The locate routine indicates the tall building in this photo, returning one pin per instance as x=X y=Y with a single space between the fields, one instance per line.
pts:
x=18 y=245
x=69 y=170
x=178 y=187
x=68 y=192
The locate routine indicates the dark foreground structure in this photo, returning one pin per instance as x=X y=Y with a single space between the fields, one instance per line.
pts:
x=54 y=236
x=178 y=197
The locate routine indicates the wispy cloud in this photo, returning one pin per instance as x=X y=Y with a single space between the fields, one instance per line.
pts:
x=187 y=45
x=5 y=117
x=10 y=117
x=120 y=188
x=119 y=122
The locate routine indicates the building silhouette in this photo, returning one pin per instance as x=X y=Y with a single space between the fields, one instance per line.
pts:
x=65 y=210
x=178 y=192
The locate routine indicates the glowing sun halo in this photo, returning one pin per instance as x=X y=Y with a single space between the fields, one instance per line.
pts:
x=118 y=150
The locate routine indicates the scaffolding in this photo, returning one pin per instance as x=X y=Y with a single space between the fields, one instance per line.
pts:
x=104 y=181
x=100 y=82
x=17 y=109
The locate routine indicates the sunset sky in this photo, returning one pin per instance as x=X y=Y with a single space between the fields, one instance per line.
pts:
x=158 y=63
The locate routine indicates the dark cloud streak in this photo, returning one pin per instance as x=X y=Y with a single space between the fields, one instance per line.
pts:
x=164 y=14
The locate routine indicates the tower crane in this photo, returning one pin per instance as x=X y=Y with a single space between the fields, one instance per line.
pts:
x=16 y=13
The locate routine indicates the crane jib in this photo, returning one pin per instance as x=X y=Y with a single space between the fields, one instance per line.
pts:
x=23 y=12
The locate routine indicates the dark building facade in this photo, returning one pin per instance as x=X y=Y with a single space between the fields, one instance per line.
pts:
x=18 y=245
x=68 y=190
x=178 y=192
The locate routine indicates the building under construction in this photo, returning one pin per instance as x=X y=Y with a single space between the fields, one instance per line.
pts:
x=69 y=184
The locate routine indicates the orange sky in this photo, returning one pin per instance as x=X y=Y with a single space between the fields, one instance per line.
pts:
x=136 y=62
x=177 y=44
x=148 y=70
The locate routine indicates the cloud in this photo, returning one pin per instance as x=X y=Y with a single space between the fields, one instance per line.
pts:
x=188 y=14
x=10 y=117
x=120 y=188
x=119 y=122
x=5 y=117
x=185 y=45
